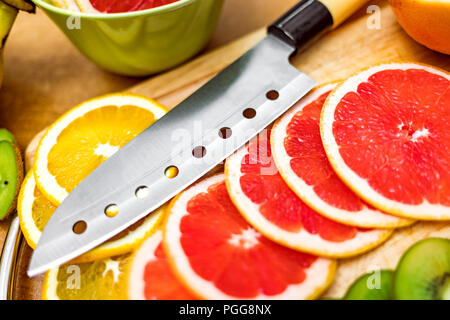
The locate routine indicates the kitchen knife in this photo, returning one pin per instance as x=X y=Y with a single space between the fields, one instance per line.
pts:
x=191 y=139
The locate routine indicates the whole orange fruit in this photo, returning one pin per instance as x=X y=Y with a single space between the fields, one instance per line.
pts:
x=426 y=21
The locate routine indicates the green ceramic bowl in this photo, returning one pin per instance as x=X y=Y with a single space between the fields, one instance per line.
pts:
x=143 y=42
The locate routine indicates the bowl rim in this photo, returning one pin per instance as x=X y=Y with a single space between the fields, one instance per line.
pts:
x=153 y=11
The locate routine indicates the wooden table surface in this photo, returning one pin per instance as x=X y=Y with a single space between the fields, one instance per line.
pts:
x=50 y=77
x=42 y=68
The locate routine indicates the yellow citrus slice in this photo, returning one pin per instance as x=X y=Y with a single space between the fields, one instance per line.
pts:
x=386 y=134
x=218 y=255
x=30 y=151
x=80 y=140
x=299 y=156
x=98 y=280
x=34 y=211
x=270 y=206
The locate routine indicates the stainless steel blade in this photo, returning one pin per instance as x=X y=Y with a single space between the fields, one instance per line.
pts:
x=196 y=122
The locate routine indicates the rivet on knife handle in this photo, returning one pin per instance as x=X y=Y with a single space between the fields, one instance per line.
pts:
x=217 y=120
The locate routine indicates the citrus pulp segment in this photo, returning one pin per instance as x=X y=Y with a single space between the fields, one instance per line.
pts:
x=269 y=205
x=99 y=280
x=299 y=155
x=83 y=138
x=149 y=276
x=385 y=132
x=218 y=255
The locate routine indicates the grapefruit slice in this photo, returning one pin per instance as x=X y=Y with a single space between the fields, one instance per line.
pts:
x=218 y=255
x=386 y=134
x=108 y=6
x=149 y=276
x=298 y=153
x=270 y=206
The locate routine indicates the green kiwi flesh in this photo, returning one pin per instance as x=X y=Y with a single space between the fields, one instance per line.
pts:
x=5 y=135
x=9 y=172
x=375 y=285
x=423 y=272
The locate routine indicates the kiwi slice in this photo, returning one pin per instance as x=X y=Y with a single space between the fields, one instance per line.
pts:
x=11 y=176
x=5 y=135
x=371 y=286
x=423 y=272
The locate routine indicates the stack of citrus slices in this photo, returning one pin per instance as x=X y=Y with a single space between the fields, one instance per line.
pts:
x=330 y=179
x=70 y=149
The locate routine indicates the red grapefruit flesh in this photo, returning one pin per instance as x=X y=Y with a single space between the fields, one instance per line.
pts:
x=116 y=6
x=269 y=205
x=386 y=134
x=299 y=155
x=149 y=274
x=218 y=255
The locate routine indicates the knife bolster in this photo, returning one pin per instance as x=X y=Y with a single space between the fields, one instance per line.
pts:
x=304 y=22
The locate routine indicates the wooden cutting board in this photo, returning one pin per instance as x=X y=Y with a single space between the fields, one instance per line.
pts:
x=352 y=47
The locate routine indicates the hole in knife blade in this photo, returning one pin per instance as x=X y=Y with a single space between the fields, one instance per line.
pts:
x=272 y=95
x=171 y=172
x=199 y=152
x=142 y=192
x=111 y=210
x=249 y=113
x=225 y=133
x=79 y=227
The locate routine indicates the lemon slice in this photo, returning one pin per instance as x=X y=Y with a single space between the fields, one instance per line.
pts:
x=99 y=280
x=84 y=137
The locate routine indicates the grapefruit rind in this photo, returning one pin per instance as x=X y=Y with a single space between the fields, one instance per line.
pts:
x=136 y=268
x=301 y=240
x=136 y=271
x=312 y=287
x=86 y=6
x=45 y=181
x=424 y=211
x=366 y=217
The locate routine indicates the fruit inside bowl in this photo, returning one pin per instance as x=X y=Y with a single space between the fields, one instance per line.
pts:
x=123 y=38
x=110 y=6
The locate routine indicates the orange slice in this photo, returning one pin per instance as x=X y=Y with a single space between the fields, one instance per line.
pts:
x=299 y=155
x=99 y=280
x=385 y=132
x=218 y=255
x=271 y=207
x=149 y=276
x=34 y=211
x=83 y=138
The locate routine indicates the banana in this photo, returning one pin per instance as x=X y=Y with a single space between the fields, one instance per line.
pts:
x=8 y=13
x=24 y=5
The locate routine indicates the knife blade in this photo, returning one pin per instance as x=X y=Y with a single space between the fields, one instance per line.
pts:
x=191 y=139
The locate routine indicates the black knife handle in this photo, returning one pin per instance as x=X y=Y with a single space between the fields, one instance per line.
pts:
x=309 y=18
